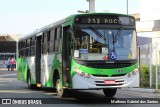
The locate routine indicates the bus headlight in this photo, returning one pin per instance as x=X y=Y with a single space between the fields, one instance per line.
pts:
x=134 y=72
x=81 y=73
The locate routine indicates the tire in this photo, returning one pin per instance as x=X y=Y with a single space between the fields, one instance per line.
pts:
x=109 y=92
x=60 y=91
x=30 y=85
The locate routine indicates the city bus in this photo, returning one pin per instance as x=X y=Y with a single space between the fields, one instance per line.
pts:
x=81 y=52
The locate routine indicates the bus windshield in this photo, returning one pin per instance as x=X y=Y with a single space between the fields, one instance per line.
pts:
x=101 y=44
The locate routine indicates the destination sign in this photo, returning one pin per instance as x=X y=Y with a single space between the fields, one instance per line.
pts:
x=105 y=19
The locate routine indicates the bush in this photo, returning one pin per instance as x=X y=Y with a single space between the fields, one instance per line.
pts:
x=145 y=76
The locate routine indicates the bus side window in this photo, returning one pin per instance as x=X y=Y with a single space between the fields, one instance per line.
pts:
x=42 y=44
x=19 y=54
x=30 y=39
x=48 y=41
x=45 y=43
x=19 y=45
x=28 y=42
x=23 y=52
x=33 y=46
x=30 y=46
x=57 y=39
x=48 y=36
x=23 y=44
x=52 y=41
x=24 y=48
x=27 y=52
x=27 y=47
x=19 y=48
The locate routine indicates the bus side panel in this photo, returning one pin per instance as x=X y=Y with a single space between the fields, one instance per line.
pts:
x=31 y=68
x=22 y=69
x=19 y=69
x=56 y=65
x=25 y=64
x=46 y=69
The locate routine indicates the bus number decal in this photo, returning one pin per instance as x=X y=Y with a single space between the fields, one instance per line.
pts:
x=93 y=20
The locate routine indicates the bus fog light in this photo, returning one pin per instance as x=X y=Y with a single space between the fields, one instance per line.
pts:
x=134 y=73
x=88 y=76
x=82 y=74
x=129 y=74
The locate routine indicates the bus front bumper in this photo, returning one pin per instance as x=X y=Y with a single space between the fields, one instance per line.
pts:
x=79 y=82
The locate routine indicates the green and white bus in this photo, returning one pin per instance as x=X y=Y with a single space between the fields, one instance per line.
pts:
x=81 y=52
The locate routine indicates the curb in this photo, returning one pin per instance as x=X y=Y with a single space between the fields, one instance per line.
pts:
x=157 y=91
x=144 y=90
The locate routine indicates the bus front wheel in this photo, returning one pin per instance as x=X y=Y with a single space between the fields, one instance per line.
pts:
x=109 y=92
x=60 y=91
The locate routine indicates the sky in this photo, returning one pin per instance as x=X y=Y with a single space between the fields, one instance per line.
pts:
x=25 y=16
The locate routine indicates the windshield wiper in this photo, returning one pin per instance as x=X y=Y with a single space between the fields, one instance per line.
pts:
x=98 y=33
x=113 y=42
x=118 y=34
x=102 y=37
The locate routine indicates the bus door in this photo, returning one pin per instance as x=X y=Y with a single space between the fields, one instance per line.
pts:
x=38 y=58
x=66 y=56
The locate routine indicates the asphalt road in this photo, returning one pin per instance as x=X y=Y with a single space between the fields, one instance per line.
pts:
x=10 y=87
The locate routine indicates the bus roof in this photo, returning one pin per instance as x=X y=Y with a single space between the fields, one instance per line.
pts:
x=69 y=18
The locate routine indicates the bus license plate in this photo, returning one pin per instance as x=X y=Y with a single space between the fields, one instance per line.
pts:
x=109 y=82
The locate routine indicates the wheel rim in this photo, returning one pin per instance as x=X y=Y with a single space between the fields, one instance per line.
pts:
x=58 y=88
x=29 y=82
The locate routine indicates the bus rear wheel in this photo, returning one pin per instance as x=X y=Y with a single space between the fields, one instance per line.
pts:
x=29 y=81
x=30 y=85
x=109 y=92
x=60 y=91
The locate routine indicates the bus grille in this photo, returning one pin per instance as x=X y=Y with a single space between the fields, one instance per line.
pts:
x=116 y=75
x=108 y=65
